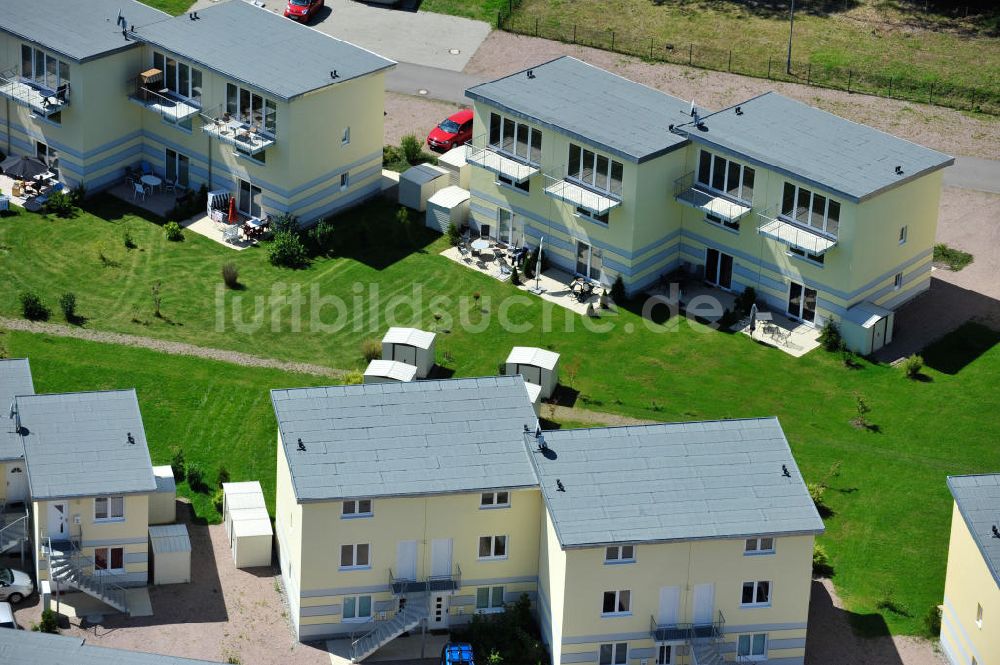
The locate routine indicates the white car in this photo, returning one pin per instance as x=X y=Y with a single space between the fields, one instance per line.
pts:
x=15 y=586
x=7 y=616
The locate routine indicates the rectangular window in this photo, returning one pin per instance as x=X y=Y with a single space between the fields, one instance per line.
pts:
x=595 y=171
x=705 y=167
x=756 y=593
x=346 y=138
x=979 y=615
x=109 y=508
x=718 y=173
x=810 y=209
x=815 y=258
x=613 y=654
x=665 y=655
x=619 y=554
x=752 y=646
x=493 y=547
x=355 y=556
x=746 y=193
x=110 y=559
x=495 y=130
x=510 y=182
x=515 y=138
x=496 y=499
x=357 y=608
x=759 y=546
x=897 y=281
x=42 y=68
x=617 y=602
x=489 y=598
x=357 y=508
x=249 y=199
x=726 y=176
x=507 y=141
x=345 y=181
x=251 y=109
x=902 y=234
x=232 y=92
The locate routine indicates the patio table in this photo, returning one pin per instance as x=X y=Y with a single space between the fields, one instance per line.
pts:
x=480 y=245
x=151 y=181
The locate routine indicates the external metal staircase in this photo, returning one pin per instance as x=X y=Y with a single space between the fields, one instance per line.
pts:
x=69 y=566
x=705 y=651
x=14 y=533
x=704 y=639
x=413 y=613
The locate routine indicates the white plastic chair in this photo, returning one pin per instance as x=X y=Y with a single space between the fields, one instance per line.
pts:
x=138 y=191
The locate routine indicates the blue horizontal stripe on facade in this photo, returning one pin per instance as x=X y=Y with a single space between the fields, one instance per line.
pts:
x=582 y=657
x=320 y=610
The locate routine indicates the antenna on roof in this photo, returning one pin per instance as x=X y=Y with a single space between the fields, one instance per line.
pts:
x=785 y=472
x=130 y=439
x=125 y=33
x=302 y=446
x=559 y=486
x=121 y=19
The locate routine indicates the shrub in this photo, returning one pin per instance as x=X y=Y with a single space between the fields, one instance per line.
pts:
x=286 y=222
x=127 y=239
x=955 y=259
x=407 y=226
x=816 y=492
x=78 y=194
x=154 y=292
x=454 y=235
x=32 y=307
x=745 y=301
x=371 y=349
x=60 y=204
x=862 y=408
x=932 y=621
x=321 y=237
x=829 y=336
x=218 y=499
x=177 y=464
x=173 y=231
x=67 y=303
x=49 y=622
x=287 y=250
x=412 y=148
x=222 y=475
x=618 y=290
x=196 y=478
x=392 y=155
x=821 y=562
x=231 y=275
x=353 y=377
x=505 y=637
x=912 y=366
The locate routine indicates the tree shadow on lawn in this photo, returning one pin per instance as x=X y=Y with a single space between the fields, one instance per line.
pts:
x=373 y=234
x=837 y=635
x=957 y=349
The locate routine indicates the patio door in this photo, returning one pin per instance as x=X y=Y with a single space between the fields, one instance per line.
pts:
x=177 y=168
x=589 y=261
x=406 y=559
x=48 y=157
x=249 y=199
x=670 y=606
x=441 y=557
x=718 y=268
x=510 y=227
x=704 y=604
x=801 y=302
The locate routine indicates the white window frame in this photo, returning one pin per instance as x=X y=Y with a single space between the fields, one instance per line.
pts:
x=749 y=655
x=345 y=139
x=904 y=232
x=354 y=549
x=619 y=596
x=352 y=509
x=756 y=590
x=108 y=557
x=42 y=78
x=494 y=599
x=712 y=157
x=756 y=546
x=492 y=500
x=790 y=217
x=603 y=218
x=618 y=554
x=498 y=145
x=345 y=180
x=109 y=504
x=803 y=255
x=616 y=649
x=267 y=106
x=979 y=616
x=660 y=660
x=493 y=540
x=897 y=281
x=592 y=183
x=176 y=83
x=355 y=617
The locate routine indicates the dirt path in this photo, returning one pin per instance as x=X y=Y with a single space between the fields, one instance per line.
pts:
x=174 y=348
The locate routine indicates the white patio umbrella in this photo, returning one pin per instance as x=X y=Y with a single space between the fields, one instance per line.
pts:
x=753 y=318
x=538 y=266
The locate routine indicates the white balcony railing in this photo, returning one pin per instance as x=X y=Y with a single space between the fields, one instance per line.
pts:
x=492 y=158
x=795 y=235
x=690 y=192
x=245 y=134
x=40 y=99
x=172 y=107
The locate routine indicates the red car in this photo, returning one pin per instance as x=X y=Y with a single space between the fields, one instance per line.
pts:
x=456 y=130
x=303 y=10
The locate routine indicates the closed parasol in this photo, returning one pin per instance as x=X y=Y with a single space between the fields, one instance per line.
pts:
x=233 y=217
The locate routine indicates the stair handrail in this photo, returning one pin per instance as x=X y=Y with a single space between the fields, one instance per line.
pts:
x=106 y=588
x=21 y=521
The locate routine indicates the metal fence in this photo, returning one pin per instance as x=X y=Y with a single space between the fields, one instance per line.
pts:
x=851 y=79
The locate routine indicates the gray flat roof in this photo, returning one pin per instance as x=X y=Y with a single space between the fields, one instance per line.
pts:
x=847 y=158
x=672 y=481
x=263 y=49
x=26 y=647
x=599 y=108
x=978 y=499
x=76 y=444
x=74 y=28
x=15 y=379
x=398 y=439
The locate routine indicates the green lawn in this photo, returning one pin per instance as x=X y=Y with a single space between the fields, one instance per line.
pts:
x=887 y=539
x=175 y=7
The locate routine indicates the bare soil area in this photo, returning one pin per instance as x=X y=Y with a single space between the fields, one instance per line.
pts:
x=409 y=114
x=951 y=132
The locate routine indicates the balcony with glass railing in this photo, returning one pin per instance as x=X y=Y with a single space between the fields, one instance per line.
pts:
x=250 y=133
x=147 y=89
x=40 y=99
x=690 y=192
x=791 y=233
x=493 y=158
x=561 y=186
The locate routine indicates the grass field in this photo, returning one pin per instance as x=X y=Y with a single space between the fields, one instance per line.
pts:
x=175 y=7
x=887 y=538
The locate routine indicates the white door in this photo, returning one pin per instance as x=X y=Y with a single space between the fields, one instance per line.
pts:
x=58 y=522
x=441 y=556
x=670 y=603
x=878 y=334
x=17 y=483
x=404 y=353
x=439 y=612
x=406 y=559
x=704 y=604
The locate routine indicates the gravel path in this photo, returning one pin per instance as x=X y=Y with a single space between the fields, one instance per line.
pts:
x=163 y=346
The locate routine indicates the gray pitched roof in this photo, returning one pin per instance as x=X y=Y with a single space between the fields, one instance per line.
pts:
x=847 y=158
x=978 y=499
x=394 y=439
x=76 y=444
x=675 y=481
x=74 y=28
x=603 y=109
x=25 y=647
x=15 y=379
x=261 y=48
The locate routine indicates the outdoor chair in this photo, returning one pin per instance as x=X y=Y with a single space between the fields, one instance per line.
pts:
x=169 y=185
x=138 y=191
x=146 y=168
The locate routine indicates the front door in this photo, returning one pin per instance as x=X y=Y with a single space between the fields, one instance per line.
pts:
x=17 y=483
x=670 y=602
x=719 y=268
x=441 y=557
x=439 y=612
x=58 y=521
x=801 y=302
x=704 y=604
x=406 y=559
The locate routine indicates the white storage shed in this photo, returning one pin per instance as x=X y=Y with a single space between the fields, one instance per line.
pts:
x=447 y=206
x=410 y=346
x=419 y=183
x=389 y=371
x=867 y=327
x=538 y=366
x=454 y=162
x=247 y=524
x=170 y=547
x=163 y=503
